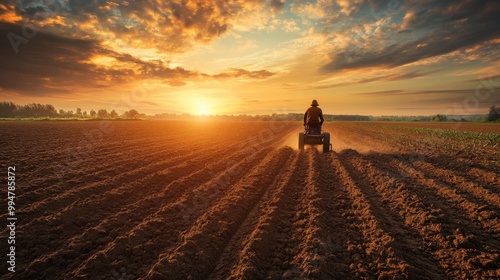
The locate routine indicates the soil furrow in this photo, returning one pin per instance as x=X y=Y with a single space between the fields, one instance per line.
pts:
x=130 y=161
x=393 y=209
x=461 y=247
x=122 y=157
x=339 y=235
x=383 y=257
x=110 y=228
x=469 y=170
x=250 y=252
x=85 y=182
x=307 y=260
x=95 y=192
x=470 y=190
x=226 y=200
x=102 y=156
x=467 y=206
x=197 y=254
x=193 y=202
x=69 y=160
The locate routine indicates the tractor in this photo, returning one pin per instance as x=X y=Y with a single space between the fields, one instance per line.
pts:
x=315 y=136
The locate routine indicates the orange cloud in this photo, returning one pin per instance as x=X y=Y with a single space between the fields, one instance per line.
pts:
x=8 y=14
x=237 y=72
x=170 y=26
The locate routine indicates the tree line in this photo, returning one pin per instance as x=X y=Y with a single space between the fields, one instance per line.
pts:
x=35 y=110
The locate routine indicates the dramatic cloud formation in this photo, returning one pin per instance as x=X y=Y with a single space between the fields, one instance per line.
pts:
x=59 y=64
x=441 y=27
x=171 y=26
x=56 y=64
x=223 y=52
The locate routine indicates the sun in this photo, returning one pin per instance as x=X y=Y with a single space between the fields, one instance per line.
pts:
x=202 y=109
x=199 y=105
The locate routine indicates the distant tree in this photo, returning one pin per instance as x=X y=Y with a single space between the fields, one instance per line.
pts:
x=439 y=118
x=7 y=109
x=85 y=115
x=35 y=110
x=494 y=114
x=113 y=114
x=102 y=113
x=50 y=110
x=62 y=113
x=32 y=110
x=79 y=112
x=132 y=114
x=93 y=113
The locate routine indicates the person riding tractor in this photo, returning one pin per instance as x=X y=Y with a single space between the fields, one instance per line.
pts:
x=313 y=133
x=313 y=118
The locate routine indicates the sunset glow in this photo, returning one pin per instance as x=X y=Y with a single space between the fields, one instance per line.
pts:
x=252 y=57
x=202 y=109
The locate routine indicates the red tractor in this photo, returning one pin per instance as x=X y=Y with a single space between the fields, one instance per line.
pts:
x=315 y=136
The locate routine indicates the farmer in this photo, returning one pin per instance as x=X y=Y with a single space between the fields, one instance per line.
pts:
x=314 y=116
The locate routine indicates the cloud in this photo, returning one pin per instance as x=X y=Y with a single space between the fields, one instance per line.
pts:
x=449 y=13
x=51 y=64
x=238 y=73
x=405 y=76
x=149 y=103
x=490 y=79
x=348 y=7
x=276 y=5
x=447 y=101
x=437 y=28
x=152 y=68
x=400 y=54
x=169 y=26
x=385 y=92
x=456 y=99
x=390 y=77
x=461 y=92
x=46 y=64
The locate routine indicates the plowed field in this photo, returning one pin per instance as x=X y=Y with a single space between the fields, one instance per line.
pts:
x=179 y=200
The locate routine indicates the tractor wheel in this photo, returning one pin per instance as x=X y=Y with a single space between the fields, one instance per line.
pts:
x=326 y=143
x=301 y=140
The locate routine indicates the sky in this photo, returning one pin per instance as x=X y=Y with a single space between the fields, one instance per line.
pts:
x=366 y=57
